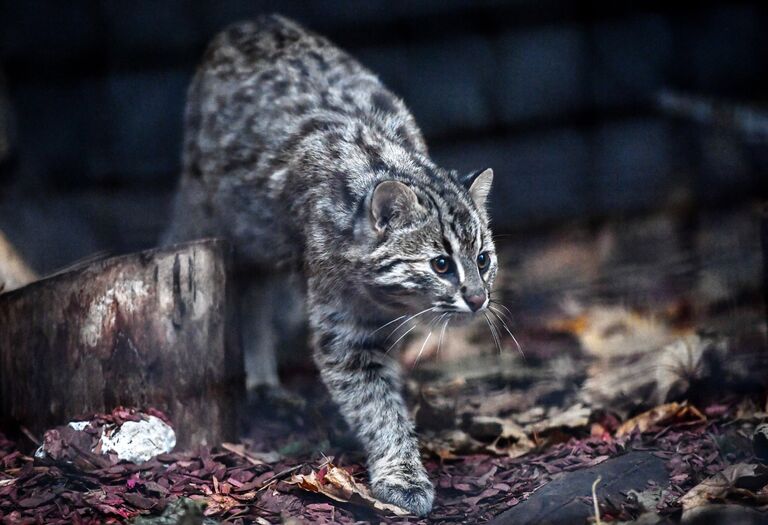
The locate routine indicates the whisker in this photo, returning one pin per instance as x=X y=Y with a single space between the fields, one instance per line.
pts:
x=411 y=318
x=435 y=321
x=418 y=356
x=497 y=303
x=517 y=344
x=400 y=338
x=389 y=323
x=498 y=334
x=442 y=333
x=493 y=332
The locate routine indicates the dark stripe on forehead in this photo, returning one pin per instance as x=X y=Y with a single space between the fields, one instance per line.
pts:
x=431 y=199
x=447 y=246
x=467 y=220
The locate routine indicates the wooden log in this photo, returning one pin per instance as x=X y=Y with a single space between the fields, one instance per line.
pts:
x=152 y=329
x=564 y=500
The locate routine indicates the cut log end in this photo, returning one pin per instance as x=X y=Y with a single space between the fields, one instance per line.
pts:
x=152 y=329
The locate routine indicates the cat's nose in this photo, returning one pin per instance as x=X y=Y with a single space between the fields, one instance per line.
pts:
x=475 y=300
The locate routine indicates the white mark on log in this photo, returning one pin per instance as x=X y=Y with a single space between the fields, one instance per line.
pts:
x=139 y=441
x=134 y=441
x=101 y=312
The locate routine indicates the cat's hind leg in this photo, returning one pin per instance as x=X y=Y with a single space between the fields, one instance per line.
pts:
x=272 y=319
x=257 y=332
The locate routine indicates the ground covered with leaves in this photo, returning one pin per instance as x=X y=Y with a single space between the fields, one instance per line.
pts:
x=636 y=340
x=238 y=486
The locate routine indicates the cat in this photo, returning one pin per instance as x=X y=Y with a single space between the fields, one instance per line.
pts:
x=304 y=160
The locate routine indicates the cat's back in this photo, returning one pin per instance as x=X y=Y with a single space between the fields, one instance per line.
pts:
x=268 y=101
x=258 y=82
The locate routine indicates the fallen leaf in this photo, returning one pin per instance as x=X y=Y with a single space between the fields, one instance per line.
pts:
x=744 y=479
x=507 y=437
x=577 y=416
x=666 y=413
x=139 y=501
x=217 y=503
x=512 y=442
x=608 y=331
x=338 y=484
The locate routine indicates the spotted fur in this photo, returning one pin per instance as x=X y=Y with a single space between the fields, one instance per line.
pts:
x=301 y=157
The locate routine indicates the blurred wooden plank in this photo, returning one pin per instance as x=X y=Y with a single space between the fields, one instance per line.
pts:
x=151 y=329
x=562 y=501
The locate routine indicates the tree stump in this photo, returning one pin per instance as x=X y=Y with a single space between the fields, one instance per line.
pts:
x=152 y=329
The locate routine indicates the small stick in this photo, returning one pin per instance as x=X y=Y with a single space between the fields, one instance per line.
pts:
x=279 y=475
x=26 y=431
x=594 y=501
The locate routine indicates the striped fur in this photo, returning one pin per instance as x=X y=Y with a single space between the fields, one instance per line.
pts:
x=287 y=142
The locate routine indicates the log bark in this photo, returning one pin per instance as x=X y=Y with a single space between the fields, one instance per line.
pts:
x=152 y=329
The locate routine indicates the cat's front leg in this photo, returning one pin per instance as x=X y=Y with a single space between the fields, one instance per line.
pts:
x=365 y=383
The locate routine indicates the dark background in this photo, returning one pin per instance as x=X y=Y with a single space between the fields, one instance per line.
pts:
x=561 y=98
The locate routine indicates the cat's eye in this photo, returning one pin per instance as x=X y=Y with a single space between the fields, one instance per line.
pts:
x=483 y=261
x=441 y=264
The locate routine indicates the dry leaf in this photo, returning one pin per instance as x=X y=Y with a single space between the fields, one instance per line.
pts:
x=509 y=439
x=743 y=478
x=661 y=414
x=610 y=331
x=217 y=503
x=513 y=442
x=339 y=485
x=450 y=444
x=576 y=416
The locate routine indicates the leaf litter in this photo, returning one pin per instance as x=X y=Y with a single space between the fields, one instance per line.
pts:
x=599 y=380
x=339 y=485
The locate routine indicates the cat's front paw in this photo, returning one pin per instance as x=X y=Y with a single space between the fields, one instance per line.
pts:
x=414 y=496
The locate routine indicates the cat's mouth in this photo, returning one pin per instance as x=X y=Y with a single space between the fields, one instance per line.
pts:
x=460 y=318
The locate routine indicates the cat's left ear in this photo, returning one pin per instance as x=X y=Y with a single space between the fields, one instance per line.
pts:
x=478 y=183
x=393 y=204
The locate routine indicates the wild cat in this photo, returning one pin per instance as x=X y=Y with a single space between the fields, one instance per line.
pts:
x=302 y=158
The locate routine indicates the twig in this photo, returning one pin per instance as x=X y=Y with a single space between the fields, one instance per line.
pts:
x=594 y=501
x=26 y=431
x=279 y=475
x=239 y=450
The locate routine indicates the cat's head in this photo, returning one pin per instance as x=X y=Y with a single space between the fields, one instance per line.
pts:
x=434 y=248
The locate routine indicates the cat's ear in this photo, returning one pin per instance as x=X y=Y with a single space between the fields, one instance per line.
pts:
x=393 y=203
x=478 y=183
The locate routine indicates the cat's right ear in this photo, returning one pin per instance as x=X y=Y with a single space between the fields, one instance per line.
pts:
x=478 y=184
x=393 y=203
